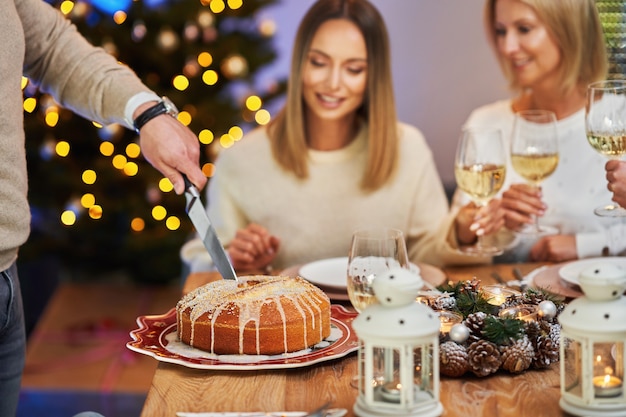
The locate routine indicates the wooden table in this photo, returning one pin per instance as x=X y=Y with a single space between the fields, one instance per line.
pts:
x=178 y=388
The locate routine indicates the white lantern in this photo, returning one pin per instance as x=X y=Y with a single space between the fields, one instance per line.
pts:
x=593 y=335
x=398 y=351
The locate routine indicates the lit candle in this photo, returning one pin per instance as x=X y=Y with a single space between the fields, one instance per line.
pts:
x=607 y=386
x=391 y=391
x=526 y=312
x=497 y=294
x=448 y=319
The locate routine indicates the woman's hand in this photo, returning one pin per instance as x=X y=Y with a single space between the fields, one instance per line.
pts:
x=521 y=203
x=554 y=248
x=616 y=176
x=253 y=248
x=473 y=221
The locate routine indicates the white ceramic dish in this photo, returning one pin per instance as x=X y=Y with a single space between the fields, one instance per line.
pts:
x=571 y=270
x=327 y=272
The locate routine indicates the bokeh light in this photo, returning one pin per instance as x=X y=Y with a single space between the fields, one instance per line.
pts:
x=89 y=176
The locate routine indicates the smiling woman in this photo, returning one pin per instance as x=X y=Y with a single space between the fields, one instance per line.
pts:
x=333 y=160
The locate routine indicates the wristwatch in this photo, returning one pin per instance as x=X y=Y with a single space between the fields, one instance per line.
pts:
x=165 y=106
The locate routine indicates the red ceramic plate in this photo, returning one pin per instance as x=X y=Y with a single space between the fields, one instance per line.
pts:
x=156 y=337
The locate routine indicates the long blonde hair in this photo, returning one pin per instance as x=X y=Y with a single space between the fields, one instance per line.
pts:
x=287 y=129
x=575 y=27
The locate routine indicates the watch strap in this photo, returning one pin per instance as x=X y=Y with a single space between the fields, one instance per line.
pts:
x=149 y=114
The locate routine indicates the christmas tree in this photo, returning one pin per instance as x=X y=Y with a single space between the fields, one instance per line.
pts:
x=96 y=204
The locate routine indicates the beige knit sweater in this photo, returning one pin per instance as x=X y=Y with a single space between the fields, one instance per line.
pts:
x=39 y=42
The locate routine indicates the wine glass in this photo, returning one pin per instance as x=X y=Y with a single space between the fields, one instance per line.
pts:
x=479 y=169
x=605 y=123
x=535 y=154
x=372 y=252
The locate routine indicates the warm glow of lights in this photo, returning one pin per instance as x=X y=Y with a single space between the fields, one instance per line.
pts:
x=206 y=136
x=52 y=118
x=180 y=82
x=208 y=169
x=236 y=132
x=62 y=148
x=159 y=212
x=89 y=176
x=172 y=223
x=137 y=224
x=107 y=148
x=184 y=117
x=262 y=117
x=209 y=77
x=66 y=7
x=217 y=6
x=133 y=150
x=235 y=4
x=131 y=169
x=166 y=185
x=205 y=59
x=253 y=103
x=87 y=200
x=95 y=212
x=226 y=140
x=119 y=17
x=267 y=28
x=24 y=82
x=96 y=124
x=68 y=217
x=29 y=104
x=119 y=161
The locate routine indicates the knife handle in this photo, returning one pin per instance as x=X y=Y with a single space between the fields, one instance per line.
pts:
x=190 y=188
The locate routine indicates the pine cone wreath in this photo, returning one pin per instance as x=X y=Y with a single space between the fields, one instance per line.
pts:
x=475 y=323
x=453 y=360
x=518 y=356
x=484 y=358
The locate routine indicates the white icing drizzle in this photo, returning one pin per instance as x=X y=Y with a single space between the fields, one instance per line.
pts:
x=248 y=295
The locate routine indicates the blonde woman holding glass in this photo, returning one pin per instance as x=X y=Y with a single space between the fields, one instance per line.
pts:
x=549 y=52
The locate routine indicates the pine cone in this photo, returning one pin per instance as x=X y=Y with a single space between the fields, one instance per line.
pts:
x=475 y=323
x=444 y=302
x=484 y=358
x=453 y=359
x=519 y=356
x=546 y=351
x=471 y=285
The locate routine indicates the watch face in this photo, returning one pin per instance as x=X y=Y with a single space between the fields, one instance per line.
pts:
x=170 y=108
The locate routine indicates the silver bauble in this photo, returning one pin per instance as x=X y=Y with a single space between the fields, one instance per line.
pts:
x=459 y=333
x=546 y=309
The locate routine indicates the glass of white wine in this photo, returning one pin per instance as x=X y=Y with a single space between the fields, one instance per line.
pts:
x=535 y=154
x=479 y=169
x=605 y=122
x=372 y=252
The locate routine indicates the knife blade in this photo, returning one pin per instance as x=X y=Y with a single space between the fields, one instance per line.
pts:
x=200 y=219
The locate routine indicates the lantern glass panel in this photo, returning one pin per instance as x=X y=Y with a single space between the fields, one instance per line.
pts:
x=423 y=369
x=572 y=365
x=608 y=369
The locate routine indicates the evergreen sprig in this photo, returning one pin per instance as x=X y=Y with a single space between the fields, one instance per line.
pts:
x=502 y=330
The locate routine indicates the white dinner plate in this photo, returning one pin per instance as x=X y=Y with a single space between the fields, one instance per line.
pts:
x=331 y=272
x=571 y=270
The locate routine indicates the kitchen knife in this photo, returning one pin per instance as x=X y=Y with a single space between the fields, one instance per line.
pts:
x=202 y=223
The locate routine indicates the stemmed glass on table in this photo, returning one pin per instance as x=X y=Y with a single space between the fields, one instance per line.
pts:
x=535 y=154
x=479 y=169
x=605 y=123
x=372 y=252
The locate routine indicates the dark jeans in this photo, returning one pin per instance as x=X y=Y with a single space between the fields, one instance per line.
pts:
x=12 y=341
